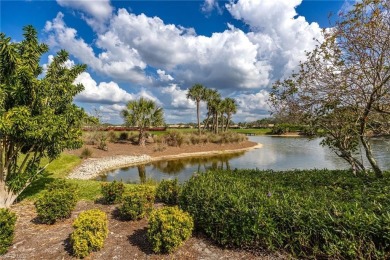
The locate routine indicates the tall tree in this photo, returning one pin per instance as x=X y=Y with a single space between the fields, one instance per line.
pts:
x=37 y=116
x=343 y=89
x=210 y=96
x=142 y=113
x=196 y=93
x=230 y=109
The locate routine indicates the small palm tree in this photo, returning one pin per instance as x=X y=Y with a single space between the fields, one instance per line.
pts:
x=230 y=109
x=142 y=113
x=196 y=93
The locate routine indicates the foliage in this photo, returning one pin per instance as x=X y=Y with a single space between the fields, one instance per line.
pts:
x=168 y=228
x=57 y=202
x=168 y=191
x=134 y=207
x=196 y=93
x=174 y=138
x=123 y=136
x=90 y=232
x=7 y=227
x=112 y=137
x=142 y=113
x=38 y=117
x=86 y=153
x=341 y=91
x=112 y=192
x=311 y=214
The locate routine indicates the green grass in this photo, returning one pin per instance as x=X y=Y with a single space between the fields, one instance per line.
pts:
x=256 y=131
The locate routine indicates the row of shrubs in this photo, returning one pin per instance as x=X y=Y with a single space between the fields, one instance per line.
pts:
x=310 y=214
x=168 y=227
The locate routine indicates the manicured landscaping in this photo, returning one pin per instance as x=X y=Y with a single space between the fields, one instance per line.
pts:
x=313 y=213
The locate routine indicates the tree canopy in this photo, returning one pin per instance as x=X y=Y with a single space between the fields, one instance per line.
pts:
x=38 y=117
x=142 y=113
x=342 y=91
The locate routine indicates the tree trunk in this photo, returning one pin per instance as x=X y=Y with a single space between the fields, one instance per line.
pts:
x=7 y=197
x=370 y=157
x=216 y=122
x=197 y=114
x=141 y=138
x=207 y=121
x=223 y=122
x=228 y=122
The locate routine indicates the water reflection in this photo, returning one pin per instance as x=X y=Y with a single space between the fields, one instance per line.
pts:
x=170 y=169
x=277 y=153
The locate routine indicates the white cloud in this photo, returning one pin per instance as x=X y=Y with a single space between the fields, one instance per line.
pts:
x=163 y=76
x=97 y=12
x=209 y=5
x=104 y=92
x=281 y=37
x=253 y=102
x=177 y=97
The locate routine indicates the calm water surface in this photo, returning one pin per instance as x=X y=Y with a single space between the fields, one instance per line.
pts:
x=277 y=153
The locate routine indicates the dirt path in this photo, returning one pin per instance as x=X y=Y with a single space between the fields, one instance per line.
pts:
x=126 y=240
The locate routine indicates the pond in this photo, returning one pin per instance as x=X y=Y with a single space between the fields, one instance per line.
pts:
x=277 y=153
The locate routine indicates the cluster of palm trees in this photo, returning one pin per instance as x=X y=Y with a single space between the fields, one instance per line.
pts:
x=217 y=108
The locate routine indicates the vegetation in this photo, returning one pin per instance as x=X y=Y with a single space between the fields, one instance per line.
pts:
x=342 y=91
x=168 y=191
x=112 y=192
x=38 y=117
x=134 y=207
x=143 y=113
x=7 y=227
x=57 y=202
x=86 y=153
x=317 y=213
x=168 y=228
x=90 y=232
x=196 y=93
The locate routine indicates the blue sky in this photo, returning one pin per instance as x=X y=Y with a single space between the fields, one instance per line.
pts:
x=157 y=49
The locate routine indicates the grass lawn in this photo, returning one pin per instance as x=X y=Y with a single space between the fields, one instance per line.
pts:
x=256 y=131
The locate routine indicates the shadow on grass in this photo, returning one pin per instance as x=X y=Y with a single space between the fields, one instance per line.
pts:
x=140 y=240
x=37 y=186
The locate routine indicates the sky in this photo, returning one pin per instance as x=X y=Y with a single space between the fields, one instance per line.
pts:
x=158 y=49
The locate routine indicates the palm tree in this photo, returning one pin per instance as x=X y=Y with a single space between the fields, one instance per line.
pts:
x=230 y=109
x=196 y=93
x=142 y=113
x=210 y=96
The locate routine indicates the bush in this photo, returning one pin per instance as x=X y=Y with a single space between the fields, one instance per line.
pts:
x=112 y=192
x=86 y=153
x=134 y=207
x=168 y=191
x=90 y=232
x=55 y=205
x=112 y=137
x=174 y=138
x=318 y=213
x=168 y=228
x=123 y=136
x=7 y=227
x=57 y=201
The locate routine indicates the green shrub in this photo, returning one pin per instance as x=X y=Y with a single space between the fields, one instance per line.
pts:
x=134 y=207
x=112 y=192
x=168 y=228
x=55 y=205
x=7 y=227
x=62 y=184
x=174 y=138
x=168 y=191
x=90 y=232
x=86 y=153
x=123 y=136
x=318 y=213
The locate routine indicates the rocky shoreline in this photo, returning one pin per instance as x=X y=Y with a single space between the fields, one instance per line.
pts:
x=93 y=167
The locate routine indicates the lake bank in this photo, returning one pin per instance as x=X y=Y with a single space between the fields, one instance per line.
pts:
x=123 y=155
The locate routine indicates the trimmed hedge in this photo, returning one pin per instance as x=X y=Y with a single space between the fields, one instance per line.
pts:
x=168 y=191
x=90 y=232
x=168 y=228
x=112 y=192
x=138 y=203
x=7 y=227
x=57 y=201
x=317 y=213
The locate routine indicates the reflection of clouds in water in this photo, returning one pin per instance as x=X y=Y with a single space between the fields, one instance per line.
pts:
x=277 y=153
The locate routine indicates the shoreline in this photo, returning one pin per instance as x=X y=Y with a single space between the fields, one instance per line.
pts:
x=93 y=167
